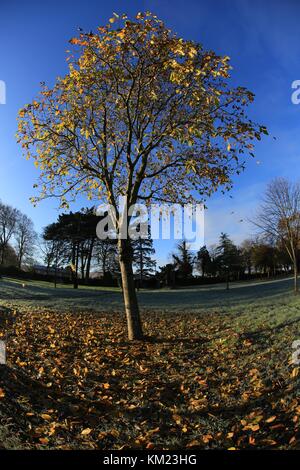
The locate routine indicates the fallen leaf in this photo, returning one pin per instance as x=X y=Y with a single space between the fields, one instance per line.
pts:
x=86 y=432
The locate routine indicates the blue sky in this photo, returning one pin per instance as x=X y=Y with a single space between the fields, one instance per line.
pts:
x=262 y=39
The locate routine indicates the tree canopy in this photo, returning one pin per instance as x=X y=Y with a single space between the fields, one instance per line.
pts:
x=141 y=113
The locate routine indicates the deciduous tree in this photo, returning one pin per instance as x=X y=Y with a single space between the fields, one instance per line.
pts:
x=144 y=114
x=279 y=218
x=8 y=220
x=25 y=237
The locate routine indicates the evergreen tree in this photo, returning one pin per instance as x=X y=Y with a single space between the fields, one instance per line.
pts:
x=229 y=259
x=167 y=274
x=106 y=253
x=76 y=233
x=183 y=261
x=142 y=257
x=203 y=260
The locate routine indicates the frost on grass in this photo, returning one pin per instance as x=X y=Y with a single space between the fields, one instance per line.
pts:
x=212 y=378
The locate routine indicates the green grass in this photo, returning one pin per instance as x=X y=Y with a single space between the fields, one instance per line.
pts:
x=44 y=294
x=215 y=371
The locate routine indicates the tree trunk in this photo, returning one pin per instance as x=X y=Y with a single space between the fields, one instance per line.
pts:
x=74 y=271
x=141 y=266
x=227 y=281
x=89 y=260
x=295 y=277
x=130 y=298
x=55 y=276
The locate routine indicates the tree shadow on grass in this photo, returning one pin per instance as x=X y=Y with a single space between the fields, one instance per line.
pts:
x=274 y=329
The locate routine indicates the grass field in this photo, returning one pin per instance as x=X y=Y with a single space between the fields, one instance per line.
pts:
x=215 y=371
x=64 y=297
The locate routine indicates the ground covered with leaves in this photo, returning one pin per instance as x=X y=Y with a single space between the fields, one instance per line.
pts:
x=219 y=378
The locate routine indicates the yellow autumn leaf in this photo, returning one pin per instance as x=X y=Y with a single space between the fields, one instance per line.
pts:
x=46 y=417
x=295 y=372
x=86 y=431
x=271 y=419
x=254 y=427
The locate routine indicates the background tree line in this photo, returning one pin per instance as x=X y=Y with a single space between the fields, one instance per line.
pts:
x=226 y=261
x=71 y=251
x=71 y=242
x=17 y=237
x=68 y=248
